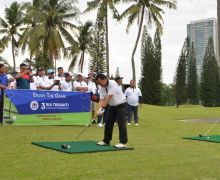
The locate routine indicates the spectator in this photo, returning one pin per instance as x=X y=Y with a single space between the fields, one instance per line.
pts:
x=66 y=85
x=134 y=96
x=24 y=77
x=11 y=80
x=92 y=89
x=51 y=83
x=40 y=79
x=60 y=74
x=119 y=82
x=79 y=84
x=33 y=84
x=3 y=77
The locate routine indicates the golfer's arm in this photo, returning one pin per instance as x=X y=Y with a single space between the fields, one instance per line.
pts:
x=104 y=102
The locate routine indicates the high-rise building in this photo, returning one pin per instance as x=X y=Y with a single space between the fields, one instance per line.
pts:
x=199 y=33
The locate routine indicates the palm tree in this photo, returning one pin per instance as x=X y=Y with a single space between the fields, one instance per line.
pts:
x=4 y=61
x=103 y=6
x=9 y=27
x=48 y=25
x=149 y=9
x=78 y=49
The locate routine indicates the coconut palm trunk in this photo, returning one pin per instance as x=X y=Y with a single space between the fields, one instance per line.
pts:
x=13 y=51
x=82 y=61
x=107 y=43
x=136 y=44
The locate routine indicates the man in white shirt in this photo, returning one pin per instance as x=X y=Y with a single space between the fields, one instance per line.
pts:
x=91 y=89
x=11 y=80
x=51 y=83
x=119 y=82
x=134 y=96
x=40 y=79
x=66 y=85
x=111 y=94
x=60 y=74
x=79 y=84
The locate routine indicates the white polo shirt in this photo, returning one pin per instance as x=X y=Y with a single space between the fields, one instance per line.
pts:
x=49 y=82
x=33 y=85
x=66 y=86
x=40 y=81
x=11 y=85
x=113 y=89
x=79 y=84
x=132 y=95
x=91 y=87
x=61 y=78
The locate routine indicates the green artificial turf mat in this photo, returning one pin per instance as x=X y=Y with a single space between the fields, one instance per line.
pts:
x=78 y=147
x=212 y=138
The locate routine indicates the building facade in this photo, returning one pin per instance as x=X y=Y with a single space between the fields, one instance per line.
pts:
x=199 y=33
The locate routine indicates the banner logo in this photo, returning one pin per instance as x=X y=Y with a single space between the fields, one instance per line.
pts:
x=34 y=105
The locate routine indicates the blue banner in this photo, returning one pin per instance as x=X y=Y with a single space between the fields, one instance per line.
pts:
x=45 y=102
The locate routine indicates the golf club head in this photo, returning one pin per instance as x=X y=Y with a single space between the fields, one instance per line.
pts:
x=65 y=146
x=10 y=120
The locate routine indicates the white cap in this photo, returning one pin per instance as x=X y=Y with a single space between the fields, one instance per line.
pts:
x=80 y=74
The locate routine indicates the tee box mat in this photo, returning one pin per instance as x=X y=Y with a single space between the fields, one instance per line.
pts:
x=209 y=138
x=78 y=146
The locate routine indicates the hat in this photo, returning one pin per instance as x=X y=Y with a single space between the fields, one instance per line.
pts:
x=118 y=77
x=50 y=71
x=80 y=74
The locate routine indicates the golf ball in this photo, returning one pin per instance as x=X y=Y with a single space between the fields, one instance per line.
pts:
x=207 y=137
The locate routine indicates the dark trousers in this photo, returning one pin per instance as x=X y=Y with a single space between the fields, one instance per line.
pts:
x=133 y=109
x=116 y=112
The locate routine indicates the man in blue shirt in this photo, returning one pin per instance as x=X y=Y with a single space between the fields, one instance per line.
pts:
x=3 y=77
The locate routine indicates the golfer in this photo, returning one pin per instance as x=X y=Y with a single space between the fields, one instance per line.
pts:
x=112 y=95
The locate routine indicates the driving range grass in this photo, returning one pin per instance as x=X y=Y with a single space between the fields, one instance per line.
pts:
x=160 y=152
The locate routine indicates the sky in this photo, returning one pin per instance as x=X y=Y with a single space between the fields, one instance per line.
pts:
x=121 y=43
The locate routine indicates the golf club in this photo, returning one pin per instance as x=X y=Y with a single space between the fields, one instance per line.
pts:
x=93 y=120
x=205 y=134
x=67 y=146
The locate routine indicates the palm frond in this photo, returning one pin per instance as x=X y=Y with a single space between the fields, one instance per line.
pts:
x=68 y=37
x=4 y=61
x=3 y=23
x=134 y=8
x=73 y=62
x=131 y=19
x=5 y=41
x=114 y=11
x=92 y=5
x=70 y=25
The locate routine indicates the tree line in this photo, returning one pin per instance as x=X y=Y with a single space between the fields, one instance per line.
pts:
x=45 y=29
x=191 y=88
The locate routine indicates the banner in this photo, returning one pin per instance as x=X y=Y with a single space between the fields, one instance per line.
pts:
x=48 y=102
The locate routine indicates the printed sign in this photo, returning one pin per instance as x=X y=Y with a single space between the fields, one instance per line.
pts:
x=48 y=102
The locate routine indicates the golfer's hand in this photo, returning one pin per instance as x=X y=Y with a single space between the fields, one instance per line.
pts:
x=100 y=111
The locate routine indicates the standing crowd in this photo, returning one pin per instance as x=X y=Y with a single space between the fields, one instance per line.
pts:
x=115 y=103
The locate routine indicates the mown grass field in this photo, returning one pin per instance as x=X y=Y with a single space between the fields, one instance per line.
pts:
x=160 y=152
